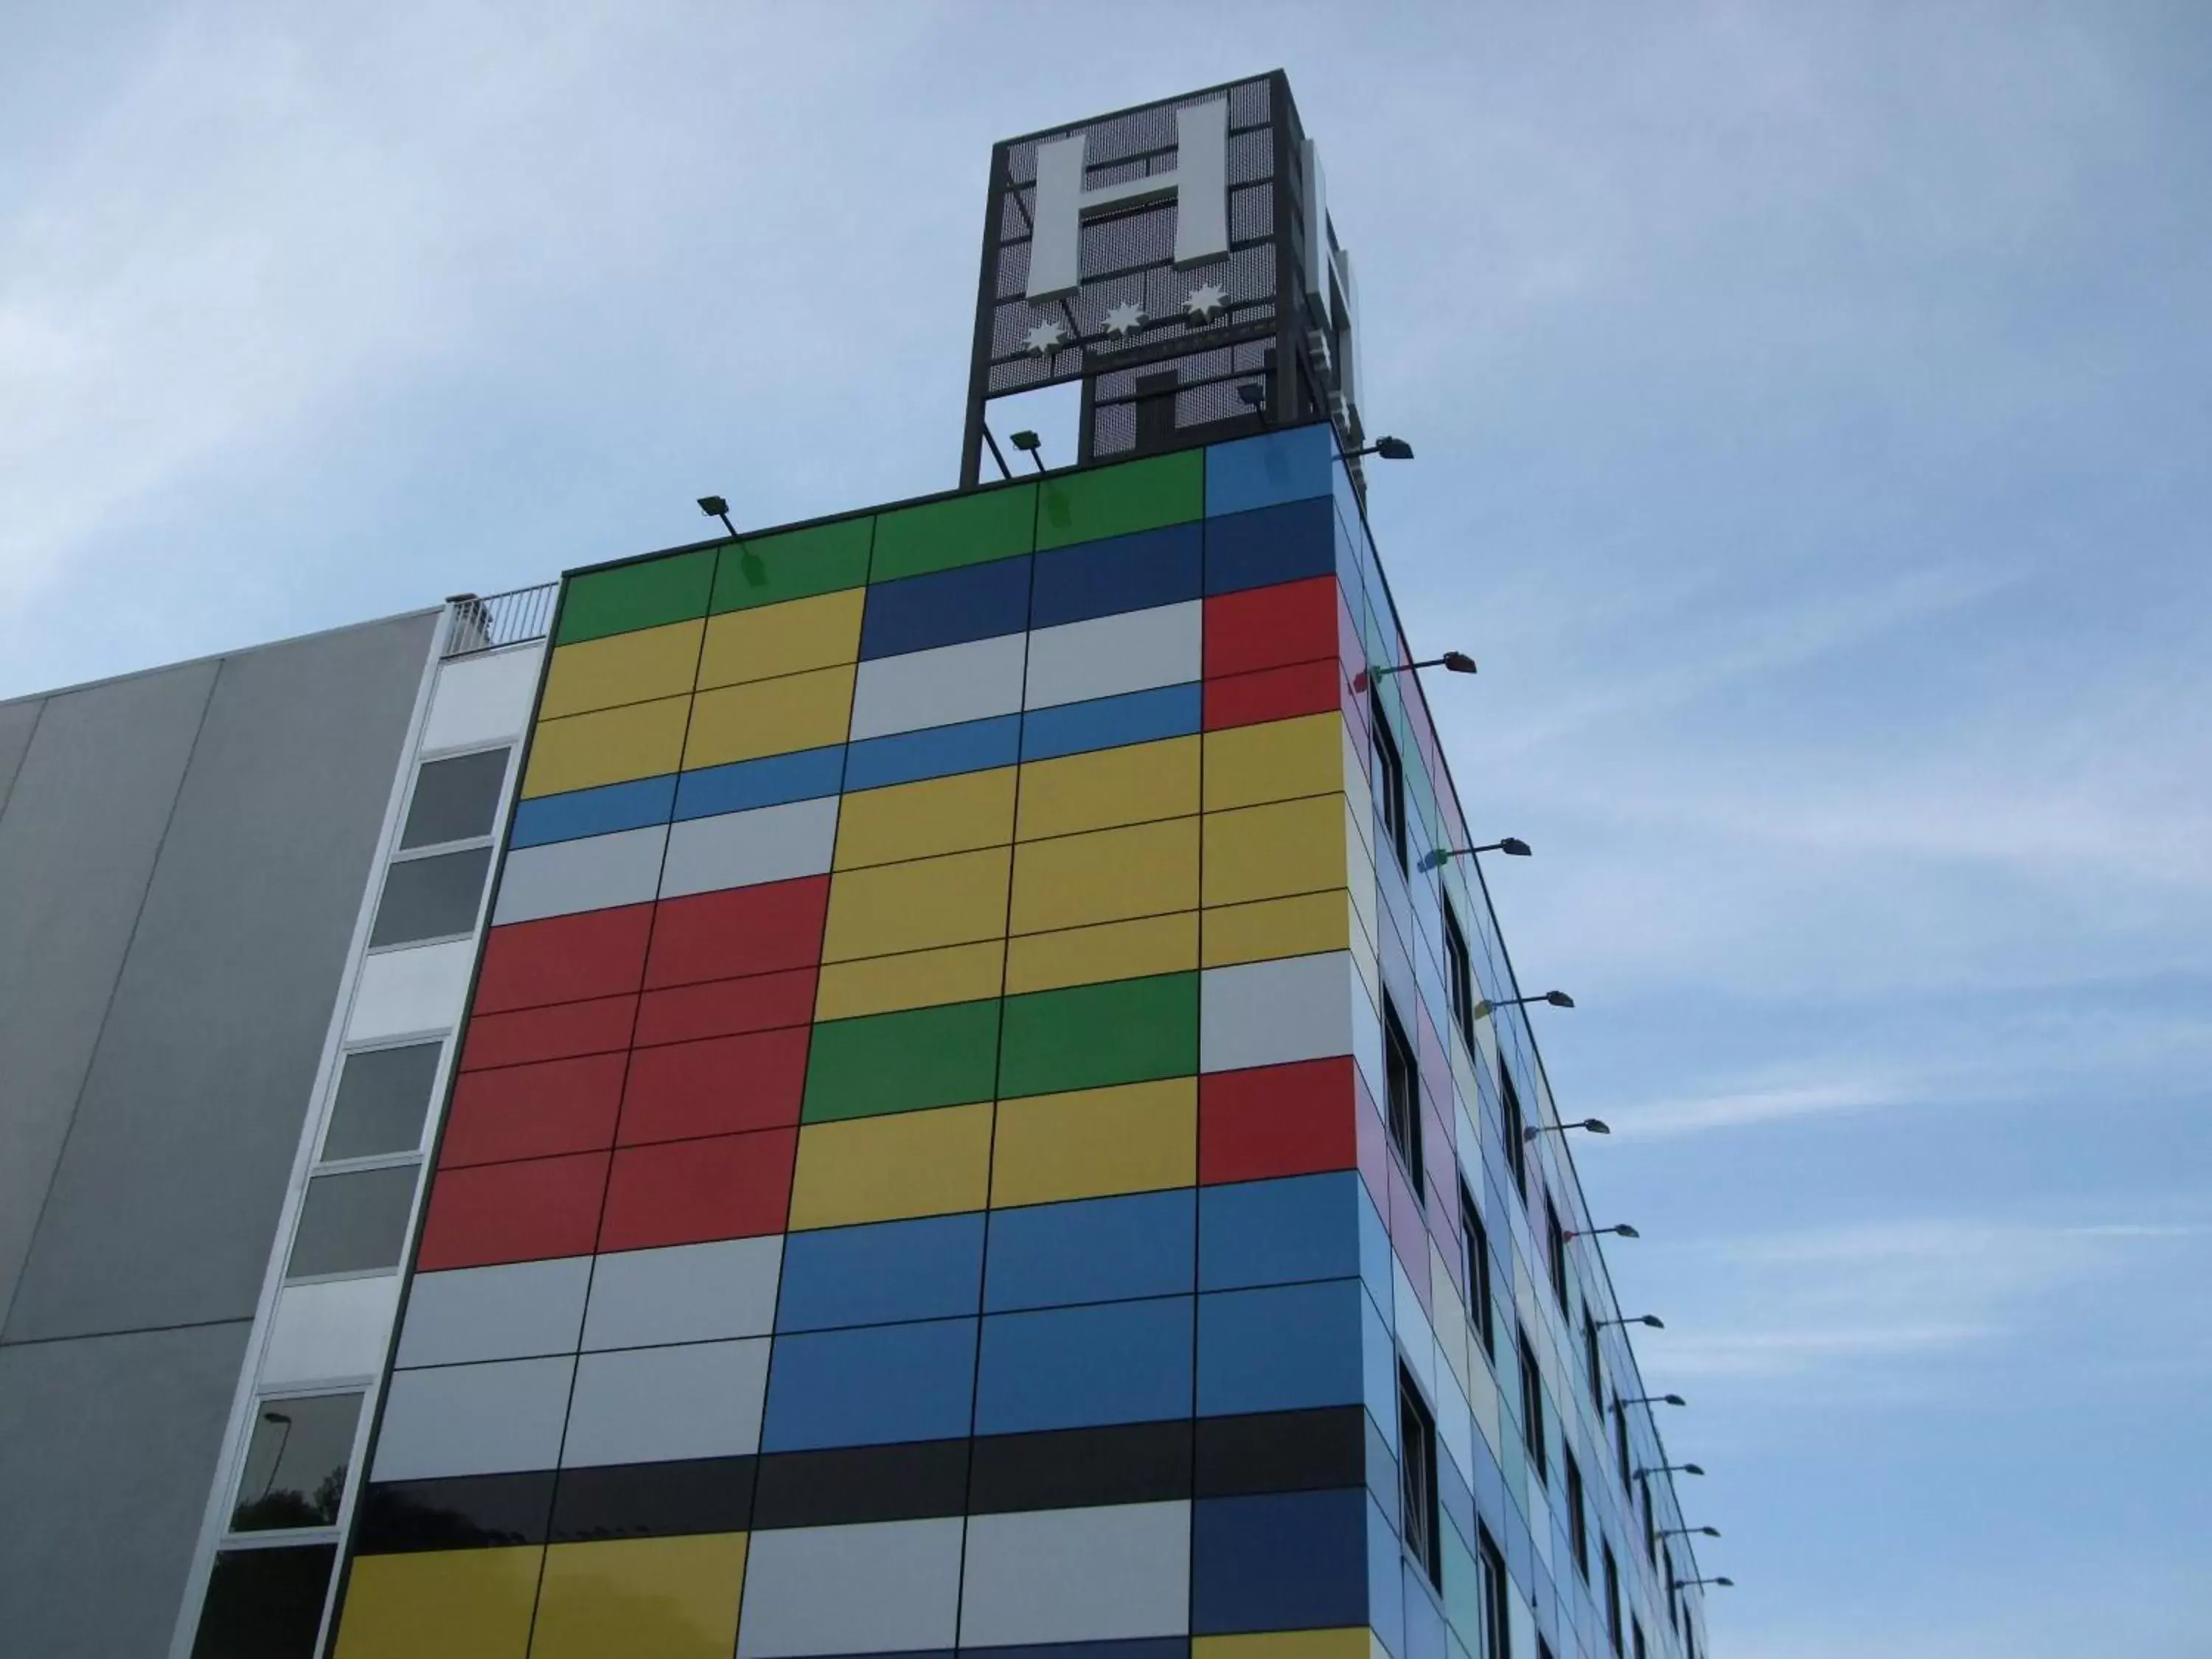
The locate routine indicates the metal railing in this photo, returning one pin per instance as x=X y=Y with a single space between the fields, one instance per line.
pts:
x=487 y=622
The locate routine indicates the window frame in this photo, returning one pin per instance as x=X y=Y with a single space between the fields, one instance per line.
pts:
x=1459 y=975
x=1593 y=1360
x=1579 y=1530
x=1555 y=1251
x=229 y=1537
x=1497 y=1627
x=427 y=850
x=1399 y=1063
x=1474 y=1242
x=1612 y=1592
x=1532 y=1406
x=1390 y=787
x=1514 y=1123
x=1419 y=1500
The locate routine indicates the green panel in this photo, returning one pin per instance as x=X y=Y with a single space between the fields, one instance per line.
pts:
x=770 y=569
x=1462 y=1588
x=966 y=530
x=901 y=1062
x=642 y=595
x=1128 y=1030
x=1115 y=501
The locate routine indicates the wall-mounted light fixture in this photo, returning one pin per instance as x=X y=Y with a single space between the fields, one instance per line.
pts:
x=1029 y=443
x=1656 y=1324
x=1622 y=1230
x=1512 y=846
x=1555 y=998
x=715 y=507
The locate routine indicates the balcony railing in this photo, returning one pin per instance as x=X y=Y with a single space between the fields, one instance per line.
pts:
x=487 y=622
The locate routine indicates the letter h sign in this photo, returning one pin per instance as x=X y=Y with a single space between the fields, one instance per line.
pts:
x=1200 y=185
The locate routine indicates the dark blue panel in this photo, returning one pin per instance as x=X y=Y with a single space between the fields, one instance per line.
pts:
x=743 y=785
x=1270 y=544
x=1277 y=1232
x=937 y=753
x=874 y=1386
x=583 y=812
x=878 y=1275
x=1077 y=728
x=1282 y=1349
x=1124 y=572
x=1069 y=1368
x=1281 y=1561
x=946 y=607
x=1097 y=1250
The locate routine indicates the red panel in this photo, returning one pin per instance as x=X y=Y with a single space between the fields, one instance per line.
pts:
x=724 y=1008
x=564 y=958
x=1269 y=627
x=1274 y=694
x=534 y=1111
x=526 y=1211
x=1276 y=1120
x=555 y=1033
x=686 y=1192
x=721 y=1086
x=739 y=931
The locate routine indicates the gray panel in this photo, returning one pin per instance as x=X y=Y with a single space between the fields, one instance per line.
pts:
x=78 y=843
x=515 y=1311
x=598 y=874
x=799 y=1587
x=473 y=1419
x=741 y=849
x=108 y=1450
x=17 y=721
x=162 y=1210
x=1091 y=1575
x=656 y=1404
x=684 y=1293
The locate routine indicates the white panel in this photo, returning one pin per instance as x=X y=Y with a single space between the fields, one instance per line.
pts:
x=684 y=1293
x=1106 y=656
x=657 y=1404
x=1085 y=1575
x=970 y=682
x=566 y=878
x=515 y=1311
x=482 y=699
x=473 y=1419
x=741 y=849
x=402 y=993
x=339 y=1328
x=1268 y=1013
x=883 y=1587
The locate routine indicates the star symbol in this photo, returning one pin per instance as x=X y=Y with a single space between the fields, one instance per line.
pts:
x=1125 y=319
x=1047 y=338
x=1205 y=304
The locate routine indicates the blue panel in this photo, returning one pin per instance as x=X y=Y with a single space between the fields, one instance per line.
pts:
x=1124 y=572
x=881 y=1274
x=581 y=812
x=1065 y=1368
x=946 y=607
x=1279 y=1232
x=1097 y=1250
x=1283 y=1561
x=937 y=753
x=1270 y=544
x=1424 y=1615
x=1453 y=1496
x=1077 y=728
x=743 y=785
x=1378 y=1364
x=1293 y=465
x=1386 y=1597
x=870 y=1386
x=1277 y=1350
x=1375 y=1256
x=1382 y=1469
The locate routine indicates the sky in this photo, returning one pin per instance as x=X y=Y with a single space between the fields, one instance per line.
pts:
x=1813 y=419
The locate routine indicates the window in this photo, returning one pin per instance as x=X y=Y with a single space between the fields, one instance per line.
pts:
x=455 y=799
x=1459 y=977
x=1491 y=1561
x=353 y=1222
x=1635 y=1645
x=1620 y=1445
x=264 y=1601
x=1516 y=1137
x=1389 y=779
x=1543 y=1649
x=1612 y=1597
x=436 y=878
x=1555 y=1251
x=1673 y=1603
x=383 y=1097
x=1476 y=1241
x=1651 y=1532
x=428 y=898
x=1578 y=1515
x=1532 y=1405
x=1593 y=1362
x=1404 y=1085
x=295 y=1464
x=1416 y=1479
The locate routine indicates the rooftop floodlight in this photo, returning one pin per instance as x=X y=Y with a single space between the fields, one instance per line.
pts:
x=1390 y=449
x=1652 y=1320
x=1254 y=396
x=1669 y=1468
x=1622 y=1230
x=1554 y=999
x=1454 y=662
x=1512 y=846
x=1689 y=1532
x=1596 y=1126
x=1029 y=443
x=715 y=507
x=1652 y=1400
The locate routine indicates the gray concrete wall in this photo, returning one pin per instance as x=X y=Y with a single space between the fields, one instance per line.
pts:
x=182 y=858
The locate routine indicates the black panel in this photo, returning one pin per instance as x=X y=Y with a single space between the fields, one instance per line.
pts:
x=1281 y=1451
x=1129 y=1463
x=850 y=1484
x=652 y=1500
x=264 y=1604
x=468 y=1511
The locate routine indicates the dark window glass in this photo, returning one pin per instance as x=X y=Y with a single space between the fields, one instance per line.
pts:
x=295 y=1464
x=455 y=799
x=1612 y=1597
x=1636 y=1630
x=1532 y=1406
x=1652 y=1533
x=1593 y=1362
x=1459 y=975
x=1517 y=1130
x=1621 y=1443
x=353 y=1223
x=264 y=1604
x=1405 y=1091
x=433 y=897
x=1578 y=1514
x=384 y=1095
x=1543 y=1649
x=1477 y=1240
x=1555 y=1251
x=1416 y=1479
x=1389 y=781
x=1496 y=1632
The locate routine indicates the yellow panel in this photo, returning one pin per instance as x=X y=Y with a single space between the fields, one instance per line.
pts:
x=770 y=717
x=644 y=1598
x=1097 y=791
x=1134 y=1138
x=1277 y=761
x=440 y=1604
x=614 y=745
x=1350 y=1644
x=654 y=662
x=1265 y=852
x=919 y=979
x=769 y=640
x=892 y=908
x=1261 y=931
x=890 y=1168
x=919 y=820
x=1091 y=955
x=1108 y=875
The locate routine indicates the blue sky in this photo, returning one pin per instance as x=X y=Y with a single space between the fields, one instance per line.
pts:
x=1813 y=414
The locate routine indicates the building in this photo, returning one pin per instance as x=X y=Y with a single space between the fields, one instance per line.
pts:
x=939 y=1076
